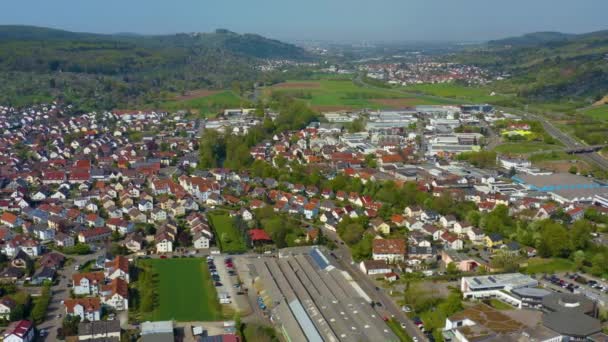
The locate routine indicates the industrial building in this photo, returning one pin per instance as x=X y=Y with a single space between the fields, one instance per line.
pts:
x=310 y=299
x=563 y=187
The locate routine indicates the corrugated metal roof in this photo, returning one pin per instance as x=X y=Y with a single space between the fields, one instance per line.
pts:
x=302 y=317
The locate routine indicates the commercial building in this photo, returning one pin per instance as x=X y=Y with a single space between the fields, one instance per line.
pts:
x=498 y=286
x=573 y=316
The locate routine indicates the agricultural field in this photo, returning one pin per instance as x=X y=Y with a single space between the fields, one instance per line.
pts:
x=451 y=90
x=598 y=113
x=185 y=291
x=329 y=95
x=228 y=236
x=205 y=102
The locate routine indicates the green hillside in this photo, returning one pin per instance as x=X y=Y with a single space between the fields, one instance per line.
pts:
x=126 y=70
x=548 y=67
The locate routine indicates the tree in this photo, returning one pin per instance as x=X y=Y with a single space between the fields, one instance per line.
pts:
x=41 y=305
x=358 y=125
x=581 y=234
x=579 y=259
x=69 y=327
x=506 y=261
x=573 y=169
x=451 y=269
x=352 y=233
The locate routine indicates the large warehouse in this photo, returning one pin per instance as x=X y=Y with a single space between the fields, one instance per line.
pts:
x=312 y=300
x=563 y=187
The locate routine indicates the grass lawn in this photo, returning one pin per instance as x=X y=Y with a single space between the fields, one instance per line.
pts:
x=540 y=265
x=525 y=147
x=228 y=236
x=398 y=330
x=598 y=113
x=327 y=94
x=207 y=105
x=185 y=291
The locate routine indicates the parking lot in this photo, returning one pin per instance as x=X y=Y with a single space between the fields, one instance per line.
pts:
x=592 y=288
x=228 y=287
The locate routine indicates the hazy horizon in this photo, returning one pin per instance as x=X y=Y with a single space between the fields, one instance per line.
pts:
x=335 y=20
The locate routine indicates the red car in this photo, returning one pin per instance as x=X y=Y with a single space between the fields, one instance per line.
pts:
x=163 y=257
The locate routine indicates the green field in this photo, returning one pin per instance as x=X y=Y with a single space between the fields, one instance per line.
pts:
x=525 y=147
x=185 y=291
x=470 y=94
x=597 y=113
x=539 y=265
x=228 y=236
x=326 y=95
x=207 y=105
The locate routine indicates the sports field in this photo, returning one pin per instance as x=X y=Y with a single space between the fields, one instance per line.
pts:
x=185 y=291
x=330 y=95
x=228 y=236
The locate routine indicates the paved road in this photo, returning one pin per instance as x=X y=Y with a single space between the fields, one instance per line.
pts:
x=569 y=142
x=344 y=257
x=61 y=292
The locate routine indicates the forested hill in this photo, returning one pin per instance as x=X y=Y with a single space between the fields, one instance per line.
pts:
x=133 y=68
x=548 y=66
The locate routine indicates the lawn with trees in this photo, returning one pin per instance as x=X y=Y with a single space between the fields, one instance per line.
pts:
x=178 y=288
x=228 y=236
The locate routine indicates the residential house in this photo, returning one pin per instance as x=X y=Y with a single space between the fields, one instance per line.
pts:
x=477 y=236
x=390 y=250
x=88 y=308
x=134 y=242
x=99 y=331
x=94 y=234
x=164 y=242
x=380 y=226
x=52 y=260
x=116 y=294
x=7 y=305
x=373 y=267
x=493 y=240
x=117 y=268
x=451 y=241
x=42 y=275
x=11 y=220
x=201 y=241
x=63 y=240
x=87 y=283
x=19 y=331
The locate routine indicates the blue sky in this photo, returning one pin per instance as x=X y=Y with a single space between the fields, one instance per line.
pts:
x=421 y=20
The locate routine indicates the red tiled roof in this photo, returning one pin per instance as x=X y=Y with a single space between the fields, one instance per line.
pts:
x=90 y=304
x=19 y=328
x=388 y=246
x=259 y=235
x=94 y=277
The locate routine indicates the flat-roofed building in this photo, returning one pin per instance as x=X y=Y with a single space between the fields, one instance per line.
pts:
x=497 y=286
